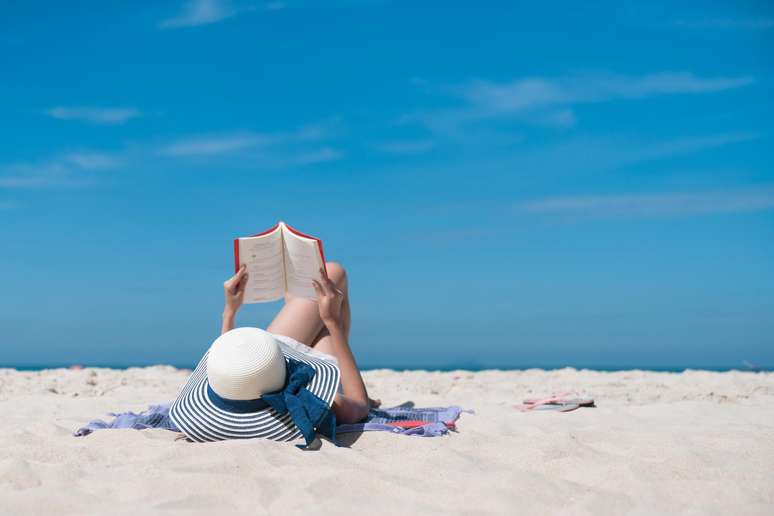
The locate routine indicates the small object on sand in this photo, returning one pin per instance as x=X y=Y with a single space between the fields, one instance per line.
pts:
x=557 y=403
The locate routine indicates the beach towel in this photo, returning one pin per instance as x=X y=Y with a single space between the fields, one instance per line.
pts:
x=407 y=420
x=403 y=419
x=157 y=416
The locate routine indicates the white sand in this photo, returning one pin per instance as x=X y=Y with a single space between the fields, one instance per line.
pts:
x=690 y=443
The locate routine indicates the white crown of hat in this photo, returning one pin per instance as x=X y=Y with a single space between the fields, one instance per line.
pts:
x=245 y=363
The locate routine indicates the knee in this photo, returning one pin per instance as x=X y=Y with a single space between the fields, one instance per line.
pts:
x=336 y=273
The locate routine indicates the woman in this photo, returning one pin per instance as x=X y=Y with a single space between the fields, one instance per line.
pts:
x=322 y=325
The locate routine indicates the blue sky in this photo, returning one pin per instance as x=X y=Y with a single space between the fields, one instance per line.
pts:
x=508 y=184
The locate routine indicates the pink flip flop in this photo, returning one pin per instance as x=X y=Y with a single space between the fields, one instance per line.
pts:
x=558 y=403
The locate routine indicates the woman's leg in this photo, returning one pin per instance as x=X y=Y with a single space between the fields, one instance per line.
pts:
x=300 y=319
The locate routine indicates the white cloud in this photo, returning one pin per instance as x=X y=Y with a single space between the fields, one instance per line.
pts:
x=545 y=100
x=684 y=146
x=92 y=160
x=95 y=115
x=586 y=156
x=214 y=145
x=34 y=175
x=279 y=146
x=654 y=205
x=65 y=170
x=306 y=145
x=202 y=12
x=275 y=150
x=526 y=94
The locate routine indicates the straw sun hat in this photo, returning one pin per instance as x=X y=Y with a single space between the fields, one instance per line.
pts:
x=250 y=384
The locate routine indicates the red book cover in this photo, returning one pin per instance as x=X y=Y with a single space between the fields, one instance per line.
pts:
x=292 y=230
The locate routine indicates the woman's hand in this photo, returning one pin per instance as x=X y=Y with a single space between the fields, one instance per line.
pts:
x=234 y=291
x=329 y=299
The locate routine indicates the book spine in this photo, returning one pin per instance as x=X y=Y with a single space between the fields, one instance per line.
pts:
x=236 y=255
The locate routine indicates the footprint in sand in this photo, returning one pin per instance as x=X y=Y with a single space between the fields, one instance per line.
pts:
x=18 y=474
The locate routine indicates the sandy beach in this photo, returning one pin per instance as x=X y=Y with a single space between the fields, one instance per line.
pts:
x=690 y=443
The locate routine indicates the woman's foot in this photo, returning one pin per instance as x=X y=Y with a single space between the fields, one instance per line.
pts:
x=372 y=403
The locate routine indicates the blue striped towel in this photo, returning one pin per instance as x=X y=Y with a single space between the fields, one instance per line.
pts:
x=438 y=420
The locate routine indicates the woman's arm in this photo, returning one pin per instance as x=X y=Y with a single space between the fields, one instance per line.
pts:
x=234 y=292
x=350 y=406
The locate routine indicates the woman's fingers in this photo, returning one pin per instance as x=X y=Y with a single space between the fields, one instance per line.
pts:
x=237 y=282
x=236 y=278
x=329 y=285
x=317 y=288
x=334 y=290
x=242 y=283
x=324 y=284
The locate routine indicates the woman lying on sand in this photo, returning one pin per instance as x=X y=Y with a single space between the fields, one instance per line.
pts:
x=322 y=326
x=254 y=383
x=270 y=383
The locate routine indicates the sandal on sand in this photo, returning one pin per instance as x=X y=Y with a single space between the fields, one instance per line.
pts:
x=557 y=403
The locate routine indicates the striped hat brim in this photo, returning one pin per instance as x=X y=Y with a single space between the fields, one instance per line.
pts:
x=200 y=420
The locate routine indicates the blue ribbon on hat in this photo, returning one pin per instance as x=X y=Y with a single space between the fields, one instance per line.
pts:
x=306 y=409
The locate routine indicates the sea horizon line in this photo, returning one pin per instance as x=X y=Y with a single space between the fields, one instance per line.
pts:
x=430 y=367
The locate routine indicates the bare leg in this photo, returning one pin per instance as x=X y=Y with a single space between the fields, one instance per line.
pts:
x=300 y=320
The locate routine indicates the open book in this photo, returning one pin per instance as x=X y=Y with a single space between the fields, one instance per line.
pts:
x=279 y=260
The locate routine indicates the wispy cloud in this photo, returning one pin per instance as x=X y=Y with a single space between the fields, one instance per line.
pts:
x=70 y=169
x=549 y=101
x=92 y=160
x=274 y=6
x=680 y=146
x=203 y=12
x=214 y=144
x=322 y=155
x=276 y=149
x=726 y=23
x=290 y=147
x=560 y=119
x=306 y=145
x=653 y=205
x=404 y=147
x=598 y=155
x=537 y=92
x=95 y=115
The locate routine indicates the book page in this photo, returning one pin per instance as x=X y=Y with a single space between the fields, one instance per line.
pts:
x=302 y=263
x=263 y=256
